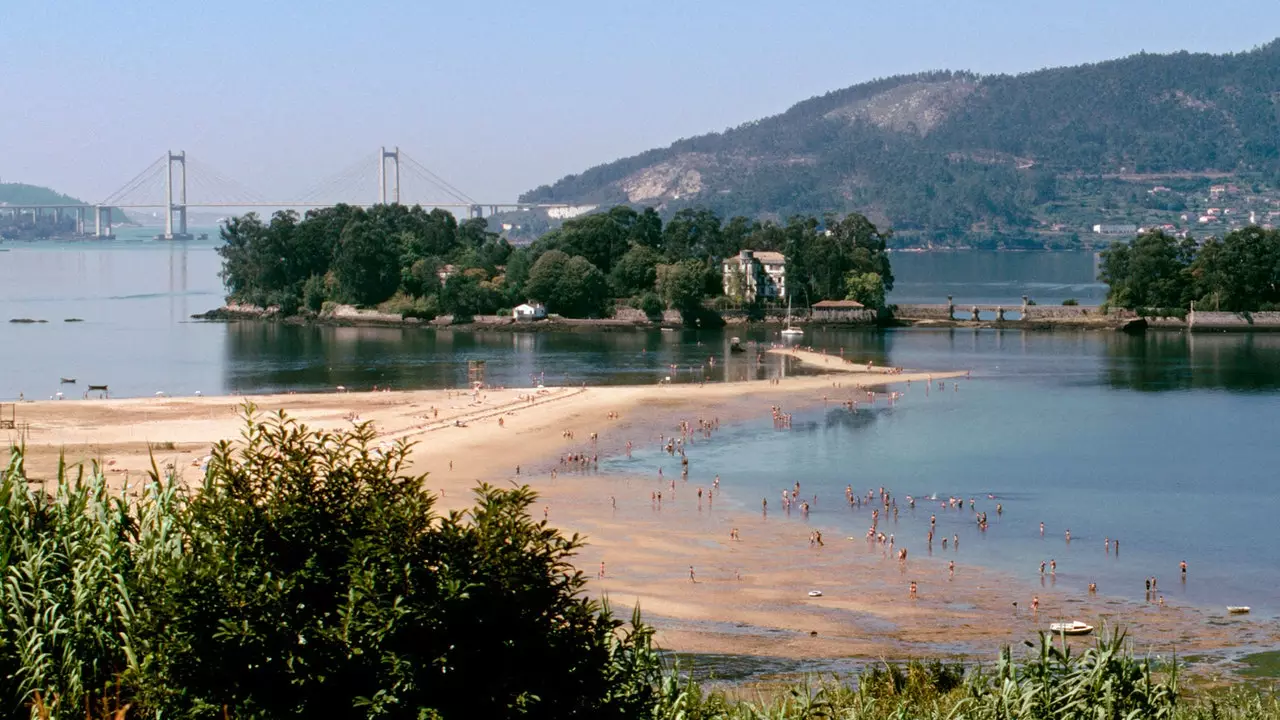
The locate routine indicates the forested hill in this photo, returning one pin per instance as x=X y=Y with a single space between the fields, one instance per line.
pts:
x=956 y=158
x=23 y=194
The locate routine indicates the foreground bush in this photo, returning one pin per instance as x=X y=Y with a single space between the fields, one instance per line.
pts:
x=308 y=577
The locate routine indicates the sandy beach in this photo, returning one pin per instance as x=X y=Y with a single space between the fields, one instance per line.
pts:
x=748 y=596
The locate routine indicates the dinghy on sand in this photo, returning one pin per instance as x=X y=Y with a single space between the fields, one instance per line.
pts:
x=1070 y=628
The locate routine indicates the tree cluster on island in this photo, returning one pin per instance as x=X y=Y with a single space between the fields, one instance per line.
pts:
x=1239 y=272
x=419 y=263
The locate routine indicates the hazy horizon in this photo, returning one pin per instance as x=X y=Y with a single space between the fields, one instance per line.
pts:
x=495 y=97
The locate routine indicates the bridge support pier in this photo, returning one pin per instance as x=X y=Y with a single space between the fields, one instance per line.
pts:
x=79 y=221
x=999 y=313
x=102 y=221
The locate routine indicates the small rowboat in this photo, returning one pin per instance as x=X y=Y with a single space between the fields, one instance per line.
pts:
x=815 y=593
x=1238 y=609
x=67 y=381
x=1070 y=628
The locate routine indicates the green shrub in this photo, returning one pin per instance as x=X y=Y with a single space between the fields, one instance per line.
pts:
x=286 y=301
x=1070 y=301
x=314 y=293
x=651 y=305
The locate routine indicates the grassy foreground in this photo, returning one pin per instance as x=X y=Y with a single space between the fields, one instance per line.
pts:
x=309 y=577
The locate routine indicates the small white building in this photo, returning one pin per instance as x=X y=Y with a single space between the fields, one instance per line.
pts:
x=527 y=311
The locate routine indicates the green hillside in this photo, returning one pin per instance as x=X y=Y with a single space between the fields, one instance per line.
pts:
x=23 y=194
x=954 y=158
x=24 y=227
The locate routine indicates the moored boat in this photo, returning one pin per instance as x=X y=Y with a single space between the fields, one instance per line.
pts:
x=789 y=331
x=1070 y=628
x=1238 y=609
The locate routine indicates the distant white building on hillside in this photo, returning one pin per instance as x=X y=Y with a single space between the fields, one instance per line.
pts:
x=753 y=274
x=571 y=211
x=1115 y=229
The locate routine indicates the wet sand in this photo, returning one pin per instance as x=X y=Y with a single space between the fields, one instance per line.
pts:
x=750 y=595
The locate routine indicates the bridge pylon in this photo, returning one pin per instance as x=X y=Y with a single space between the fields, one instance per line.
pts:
x=180 y=158
x=383 y=156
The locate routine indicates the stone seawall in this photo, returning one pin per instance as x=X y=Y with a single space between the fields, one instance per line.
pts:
x=1198 y=320
x=1071 y=312
x=922 y=312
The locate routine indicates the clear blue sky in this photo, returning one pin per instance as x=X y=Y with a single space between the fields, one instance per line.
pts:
x=497 y=97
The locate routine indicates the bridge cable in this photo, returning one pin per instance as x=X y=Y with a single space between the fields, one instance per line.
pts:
x=436 y=180
x=134 y=183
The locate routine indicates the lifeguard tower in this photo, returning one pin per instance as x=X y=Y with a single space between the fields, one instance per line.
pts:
x=475 y=373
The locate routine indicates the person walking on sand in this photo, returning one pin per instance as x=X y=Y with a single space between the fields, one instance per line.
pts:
x=601 y=568
x=1035 y=604
x=913 y=590
x=951 y=568
x=692 y=578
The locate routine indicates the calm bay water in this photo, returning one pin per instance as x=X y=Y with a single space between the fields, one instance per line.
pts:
x=1165 y=441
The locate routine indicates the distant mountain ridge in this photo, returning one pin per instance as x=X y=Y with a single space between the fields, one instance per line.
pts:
x=946 y=157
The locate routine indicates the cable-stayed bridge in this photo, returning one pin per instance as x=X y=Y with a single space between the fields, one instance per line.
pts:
x=177 y=182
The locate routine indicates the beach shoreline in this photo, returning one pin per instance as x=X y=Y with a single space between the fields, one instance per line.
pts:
x=749 y=596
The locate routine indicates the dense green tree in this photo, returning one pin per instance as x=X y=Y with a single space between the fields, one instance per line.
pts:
x=1240 y=272
x=464 y=295
x=1150 y=272
x=583 y=290
x=601 y=238
x=646 y=229
x=569 y=286
x=366 y=263
x=517 y=274
x=696 y=233
x=636 y=271
x=865 y=287
x=544 y=276
x=680 y=285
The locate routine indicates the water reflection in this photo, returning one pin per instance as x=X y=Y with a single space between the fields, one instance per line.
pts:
x=262 y=357
x=1159 y=361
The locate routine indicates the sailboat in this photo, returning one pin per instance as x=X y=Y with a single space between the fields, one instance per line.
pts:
x=789 y=331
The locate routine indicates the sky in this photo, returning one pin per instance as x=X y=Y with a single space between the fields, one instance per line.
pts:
x=497 y=97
